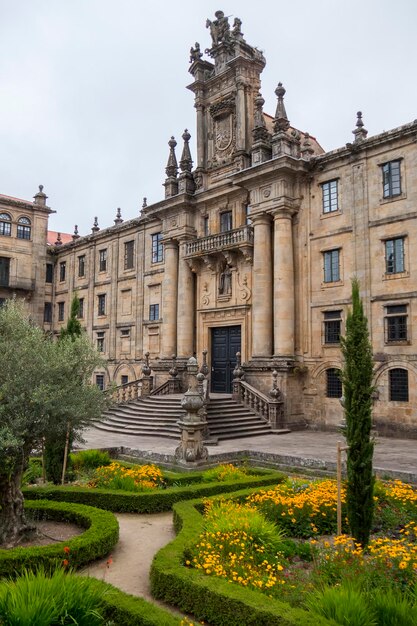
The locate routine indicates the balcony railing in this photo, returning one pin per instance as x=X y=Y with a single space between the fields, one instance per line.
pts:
x=227 y=240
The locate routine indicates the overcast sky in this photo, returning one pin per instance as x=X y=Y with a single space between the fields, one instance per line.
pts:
x=92 y=90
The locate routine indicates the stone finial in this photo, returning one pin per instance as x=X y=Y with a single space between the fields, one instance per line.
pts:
x=275 y=393
x=75 y=235
x=238 y=371
x=40 y=197
x=281 y=121
x=58 y=241
x=118 y=219
x=173 y=372
x=144 y=203
x=360 y=132
x=306 y=149
x=95 y=228
x=171 y=169
x=204 y=367
x=146 y=368
x=186 y=163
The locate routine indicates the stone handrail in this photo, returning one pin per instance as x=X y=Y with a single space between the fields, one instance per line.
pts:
x=161 y=390
x=129 y=392
x=221 y=240
x=269 y=409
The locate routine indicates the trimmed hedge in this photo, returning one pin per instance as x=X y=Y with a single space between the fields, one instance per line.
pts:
x=147 y=502
x=212 y=599
x=101 y=536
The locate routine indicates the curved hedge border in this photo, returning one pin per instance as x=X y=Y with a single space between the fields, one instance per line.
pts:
x=212 y=599
x=101 y=535
x=148 y=502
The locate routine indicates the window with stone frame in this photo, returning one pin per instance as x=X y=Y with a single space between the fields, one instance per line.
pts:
x=157 y=248
x=391 y=179
x=206 y=226
x=100 y=381
x=398 y=385
x=24 y=229
x=62 y=271
x=100 y=341
x=81 y=309
x=129 y=256
x=101 y=304
x=5 y=225
x=396 y=323
x=394 y=255
x=81 y=266
x=47 y=313
x=333 y=383
x=330 y=196
x=153 y=312
x=124 y=379
x=331 y=267
x=61 y=311
x=102 y=260
x=4 y=271
x=332 y=326
x=49 y=273
x=226 y=221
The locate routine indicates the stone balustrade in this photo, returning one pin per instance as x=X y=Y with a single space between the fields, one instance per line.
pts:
x=229 y=239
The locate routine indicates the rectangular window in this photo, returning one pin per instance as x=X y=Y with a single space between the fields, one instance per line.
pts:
x=226 y=222
x=124 y=379
x=100 y=342
x=49 y=273
x=5 y=224
x=81 y=266
x=333 y=384
x=81 y=309
x=394 y=256
x=100 y=381
x=47 y=312
x=4 y=271
x=61 y=311
x=23 y=231
x=391 y=179
x=331 y=266
x=129 y=255
x=102 y=260
x=206 y=226
x=398 y=385
x=125 y=332
x=62 y=270
x=332 y=326
x=330 y=196
x=157 y=248
x=248 y=220
x=101 y=309
x=153 y=312
x=396 y=323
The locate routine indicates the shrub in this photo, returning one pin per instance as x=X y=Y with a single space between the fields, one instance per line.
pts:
x=392 y=608
x=116 y=476
x=89 y=459
x=33 y=472
x=345 y=605
x=224 y=472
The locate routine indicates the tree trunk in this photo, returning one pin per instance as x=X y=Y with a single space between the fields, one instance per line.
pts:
x=13 y=522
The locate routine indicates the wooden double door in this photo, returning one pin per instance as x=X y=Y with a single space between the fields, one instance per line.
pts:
x=225 y=342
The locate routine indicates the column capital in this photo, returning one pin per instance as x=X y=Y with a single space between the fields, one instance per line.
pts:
x=170 y=243
x=260 y=218
x=283 y=213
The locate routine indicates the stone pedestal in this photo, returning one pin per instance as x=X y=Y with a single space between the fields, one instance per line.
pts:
x=191 y=450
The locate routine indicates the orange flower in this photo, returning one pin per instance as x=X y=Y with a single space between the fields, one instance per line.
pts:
x=67 y=550
x=109 y=561
x=65 y=562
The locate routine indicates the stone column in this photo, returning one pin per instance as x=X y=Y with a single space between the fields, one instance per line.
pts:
x=284 y=296
x=240 y=117
x=169 y=299
x=262 y=287
x=185 y=323
x=200 y=134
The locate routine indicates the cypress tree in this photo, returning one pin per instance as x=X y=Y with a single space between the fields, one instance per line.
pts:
x=358 y=389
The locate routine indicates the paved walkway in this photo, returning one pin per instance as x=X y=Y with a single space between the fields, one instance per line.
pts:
x=307 y=449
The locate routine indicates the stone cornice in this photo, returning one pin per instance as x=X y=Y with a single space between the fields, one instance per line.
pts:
x=266 y=171
x=24 y=204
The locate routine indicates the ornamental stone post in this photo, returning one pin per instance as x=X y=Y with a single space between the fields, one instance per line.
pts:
x=147 y=379
x=191 y=449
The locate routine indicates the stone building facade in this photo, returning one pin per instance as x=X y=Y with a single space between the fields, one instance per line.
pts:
x=250 y=251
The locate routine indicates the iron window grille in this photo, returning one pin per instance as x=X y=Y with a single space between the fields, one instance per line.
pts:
x=129 y=255
x=153 y=312
x=333 y=383
x=81 y=266
x=61 y=311
x=157 y=248
x=391 y=179
x=23 y=228
x=398 y=385
x=330 y=196
x=331 y=266
x=394 y=255
x=102 y=260
x=62 y=271
x=100 y=342
x=226 y=221
x=100 y=381
x=396 y=323
x=332 y=326
x=101 y=309
x=5 y=224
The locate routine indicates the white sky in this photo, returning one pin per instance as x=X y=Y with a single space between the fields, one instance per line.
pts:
x=92 y=90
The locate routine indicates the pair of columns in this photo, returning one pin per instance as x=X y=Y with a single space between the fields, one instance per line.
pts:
x=177 y=302
x=273 y=298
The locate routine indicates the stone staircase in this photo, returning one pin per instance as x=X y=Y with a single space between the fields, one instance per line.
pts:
x=157 y=416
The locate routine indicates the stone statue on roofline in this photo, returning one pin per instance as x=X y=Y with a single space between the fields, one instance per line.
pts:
x=219 y=28
x=195 y=53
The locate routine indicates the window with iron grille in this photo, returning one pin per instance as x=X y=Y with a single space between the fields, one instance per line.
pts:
x=47 y=312
x=396 y=323
x=49 y=274
x=129 y=255
x=398 y=385
x=23 y=228
x=100 y=381
x=101 y=300
x=331 y=266
x=153 y=312
x=330 y=196
x=61 y=311
x=226 y=222
x=81 y=266
x=5 y=224
x=102 y=260
x=157 y=248
x=100 y=341
x=394 y=255
x=81 y=309
x=62 y=270
x=332 y=326
x=391 y=179
x=333 y=383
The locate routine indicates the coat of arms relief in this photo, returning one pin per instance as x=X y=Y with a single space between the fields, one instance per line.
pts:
x=224 y=120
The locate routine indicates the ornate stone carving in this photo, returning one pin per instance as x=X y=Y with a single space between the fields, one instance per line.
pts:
x=219 y=28
x=244 y=291
x=205 y=298
x=195 y=53
x=225 y=282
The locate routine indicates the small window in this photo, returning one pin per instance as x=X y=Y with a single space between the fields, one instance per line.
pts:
x=62 y=271
x=396 y=323
x=101 y=309
x=330 y=196
x=331 y=266
x=49 y=276
x=81 y=309
x=23 y=228
x=394 y=256
x=206 y=226
x=125 y=332
x=153 y=312
x=100 y=381
x=100 y=342
x=47 y=313
x=81 y=266
x=124 y=379
x=61 y=311
x=157 y=248
x=129 y=255
x=332 y=326
x=398 y=385
x=391 y=179
x=226 y=221
x=333 y=383
x=102 y=260
x=5 y=224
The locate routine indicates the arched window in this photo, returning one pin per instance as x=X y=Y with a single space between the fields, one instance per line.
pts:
x=23 y=228
x=333 y=383
x=398 y=385
x=5 y=224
